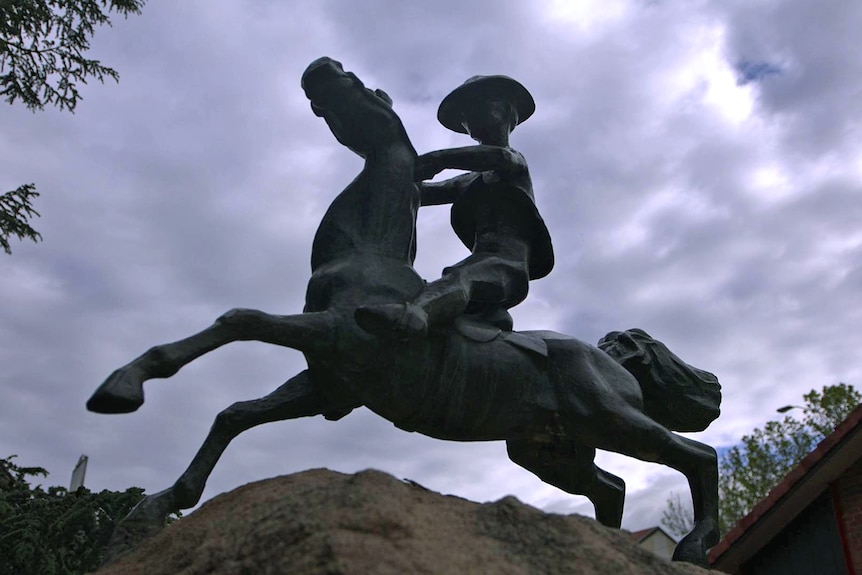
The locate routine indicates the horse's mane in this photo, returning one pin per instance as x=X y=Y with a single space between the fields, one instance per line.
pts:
x=678 y=395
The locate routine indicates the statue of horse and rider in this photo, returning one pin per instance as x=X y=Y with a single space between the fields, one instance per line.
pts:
x=442 y=358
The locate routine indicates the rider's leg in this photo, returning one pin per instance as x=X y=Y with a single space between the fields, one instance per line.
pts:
x=481 y=277
x=444 y=298
x=569 y=466
x=123 y=391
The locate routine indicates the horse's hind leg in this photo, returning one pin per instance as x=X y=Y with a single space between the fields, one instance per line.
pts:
x=569 y=466
x=295 y=398
x=636 y=435
x=123 y=392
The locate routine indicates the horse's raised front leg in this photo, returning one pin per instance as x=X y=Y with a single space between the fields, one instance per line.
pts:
x=298 y=397
x=123 y=391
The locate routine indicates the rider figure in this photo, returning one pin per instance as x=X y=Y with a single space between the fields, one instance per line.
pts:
x=493 y=213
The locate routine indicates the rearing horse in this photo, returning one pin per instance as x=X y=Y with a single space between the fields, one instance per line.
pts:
x=552 y=398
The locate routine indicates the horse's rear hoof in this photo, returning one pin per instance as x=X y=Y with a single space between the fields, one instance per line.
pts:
x=146 y=519
x=119 y=394
x=124 y=540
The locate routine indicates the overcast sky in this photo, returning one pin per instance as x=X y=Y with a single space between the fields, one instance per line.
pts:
x=699 y=167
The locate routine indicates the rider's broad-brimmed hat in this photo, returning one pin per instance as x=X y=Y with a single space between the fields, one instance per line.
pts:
x=453 y=107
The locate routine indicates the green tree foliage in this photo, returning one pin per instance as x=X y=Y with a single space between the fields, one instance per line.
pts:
x=42 y=46
x=54 y=532
x=15 y=210
x=677 y=517
x=42 y=62
x=748 y=471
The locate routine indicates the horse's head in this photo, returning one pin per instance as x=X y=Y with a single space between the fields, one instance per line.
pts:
x=360 y=118
x=676 y=394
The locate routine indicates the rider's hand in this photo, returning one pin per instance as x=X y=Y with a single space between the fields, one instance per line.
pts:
x=427 y=166
x=514 y=160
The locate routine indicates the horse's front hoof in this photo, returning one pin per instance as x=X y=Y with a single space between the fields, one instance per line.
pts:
x=122 y=392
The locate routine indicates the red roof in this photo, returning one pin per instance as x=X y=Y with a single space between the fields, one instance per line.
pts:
x=810 y=466
x=641 y=535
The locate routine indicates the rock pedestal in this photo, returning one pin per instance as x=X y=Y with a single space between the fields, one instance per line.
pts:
x=370 y=523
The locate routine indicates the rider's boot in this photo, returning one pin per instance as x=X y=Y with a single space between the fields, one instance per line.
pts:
x=403 y=321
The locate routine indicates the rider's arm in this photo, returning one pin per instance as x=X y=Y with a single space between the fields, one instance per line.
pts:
x=476 y=159
x=444 y=192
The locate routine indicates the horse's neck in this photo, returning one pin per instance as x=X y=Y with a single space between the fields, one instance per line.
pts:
x=391 y=194
x=376 y=213
x=363 y=251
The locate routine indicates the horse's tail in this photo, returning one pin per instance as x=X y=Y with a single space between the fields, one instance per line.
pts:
x=676 y=395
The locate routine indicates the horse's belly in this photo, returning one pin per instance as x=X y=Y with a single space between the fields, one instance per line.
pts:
x=463 y=390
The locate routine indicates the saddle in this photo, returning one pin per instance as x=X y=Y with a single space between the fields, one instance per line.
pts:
x=485 y=330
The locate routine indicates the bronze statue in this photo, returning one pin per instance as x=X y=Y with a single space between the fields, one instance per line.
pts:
x=463 y=376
